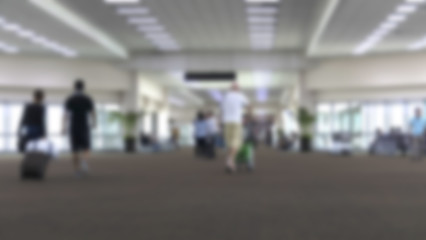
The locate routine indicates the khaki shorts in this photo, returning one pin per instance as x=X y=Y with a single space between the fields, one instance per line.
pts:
x=233 y=135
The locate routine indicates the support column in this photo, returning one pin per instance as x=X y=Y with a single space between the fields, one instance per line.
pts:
x=306 y=97
x=132 y=101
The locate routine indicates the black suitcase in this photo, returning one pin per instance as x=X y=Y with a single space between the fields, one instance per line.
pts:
x=34 y=165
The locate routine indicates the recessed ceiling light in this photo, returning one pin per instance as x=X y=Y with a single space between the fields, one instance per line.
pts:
x=169 y=47
x=29 y=35
x=142 y=20
x=159 y=36
x=388 y=25
x=11 y=27
x=151 y=28
x=25 y=34
x=120 y=1
x=406 y=8
x=261 y=19
x=132 y=11
x=164 y=42
x=415 y=1
x=262 y=10
x=7 y=48
x=263 y=1
x=396 y=18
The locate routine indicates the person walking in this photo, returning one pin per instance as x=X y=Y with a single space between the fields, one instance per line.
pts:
x=213 y=131
x=233 y=106
x=201 y=135
x=175 y=134
x=417 y=127
x=79 y=118
x=33 y=122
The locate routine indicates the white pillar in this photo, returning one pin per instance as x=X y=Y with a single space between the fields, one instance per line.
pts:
x=131 y=101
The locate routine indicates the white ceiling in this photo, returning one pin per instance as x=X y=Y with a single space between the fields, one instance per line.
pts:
x=219 y=25
x=26 y=15
x=213 y=34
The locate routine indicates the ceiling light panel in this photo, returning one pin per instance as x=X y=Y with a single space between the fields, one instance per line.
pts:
x=419 y=44
x=407 y=8
x=262 y=10
x=262 y=1
x=142 y=18
x=8 y=48
x=262 y=18
x=132 y=11
x=121 y=1
x=151 y=28
x=390 y=24
x=33 y=37
x=415 y=1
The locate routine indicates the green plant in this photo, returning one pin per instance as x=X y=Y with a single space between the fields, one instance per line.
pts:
x=306 y=120
x=128 y=121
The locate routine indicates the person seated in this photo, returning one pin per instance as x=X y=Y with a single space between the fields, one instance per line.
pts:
x=285 y=143
x=150 y=143
x=395 y=142
x=342 y=143
x=146 y=139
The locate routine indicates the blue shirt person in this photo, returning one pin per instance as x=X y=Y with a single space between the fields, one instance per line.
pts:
x=418 y=124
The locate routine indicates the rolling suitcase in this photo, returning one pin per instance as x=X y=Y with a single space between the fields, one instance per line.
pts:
x=35 y=162
x=34 y=165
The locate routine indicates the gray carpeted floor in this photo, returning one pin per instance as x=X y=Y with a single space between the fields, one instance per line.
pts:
x=173 y=196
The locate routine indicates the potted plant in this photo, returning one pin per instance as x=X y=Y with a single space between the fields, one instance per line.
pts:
x=306 y=120
x=128 y=121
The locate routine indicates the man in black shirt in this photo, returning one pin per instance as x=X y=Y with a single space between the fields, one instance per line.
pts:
x=33 y=122
x=79 y=118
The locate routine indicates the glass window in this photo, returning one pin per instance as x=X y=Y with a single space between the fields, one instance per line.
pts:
x=341 y=117
x=377 y=118
x=163 y=125
x=324 y=124
x=54 y=119
x=107 y=135
x=110 y=128
x=356 y=118
x=105 y=125
x=2 y=144
x=396 y=115
x=14 y=114
x=289 y=122
x=147 y=123
x=2 y=118
x=61 y=143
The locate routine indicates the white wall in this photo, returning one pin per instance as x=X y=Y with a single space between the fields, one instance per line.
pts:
x=379 y=77
x=148 y=88
x=154 y=100
x=19 y=76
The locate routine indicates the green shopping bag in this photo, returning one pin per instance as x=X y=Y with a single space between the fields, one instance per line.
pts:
x=245 y=155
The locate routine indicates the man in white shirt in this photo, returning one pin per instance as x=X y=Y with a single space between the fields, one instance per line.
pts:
x=233 y=106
